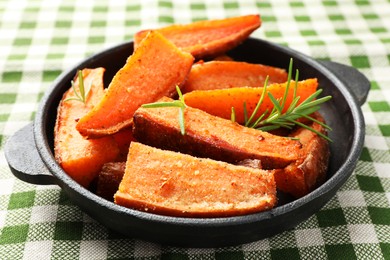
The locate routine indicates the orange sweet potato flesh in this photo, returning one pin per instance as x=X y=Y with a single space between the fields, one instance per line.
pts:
x=219 y=102
x=175 y=184
x=81 y=159
x=229 y=74
x=205 y=39
x=309 y=171
x=212 y=137
x=151 y=72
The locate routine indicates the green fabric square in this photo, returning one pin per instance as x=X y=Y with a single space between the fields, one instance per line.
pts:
x=261 y=4
x=336 y=17
x=7 y=98
x=96 y=39
x=365 y=155
x=17 y=57
x=231 y=5
x=296 y=4
x=370 y=16
x=343 y=31
x=98 y=23
x=132 y=7
x=66 y=9
x=165 y=19
x=50 y=75
x=28 y=25
x=308 y=33
x=385 y=247
x=353 y=41
x=329 y=3
x=331 y=217
x=12 y=76
x=198 y=6
x=379 y=216
x=344 y=251
x=55 y=55
x=369 y=183
x=268 y=18
x=132 y=22
x=362 y=2
x=378 y=30
x=166 y=4
x=100 y=9
x=360 y=62
x=14 y=234
x=63 y=24
x=302 y=18
x=377 y=106
x=272 y=34
x=60 y=40
x=22 y=41
x=316 y=42
x=65 y=230
x=21 y=200
x=229 y=255
x=285 y=253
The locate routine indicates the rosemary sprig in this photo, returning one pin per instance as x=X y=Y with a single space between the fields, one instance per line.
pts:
x=175 y=103
x=279 y=119
x=82 y=96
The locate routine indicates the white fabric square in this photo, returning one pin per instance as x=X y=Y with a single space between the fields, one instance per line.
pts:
x=96 y=249
x=258 y=245
x=41 y=214
x=376 y=142
x=351 y=198
x=309 y=237
x=362 y=234
x=3 y=214
x=6 y=186
x=382 y=169
x=38 y=250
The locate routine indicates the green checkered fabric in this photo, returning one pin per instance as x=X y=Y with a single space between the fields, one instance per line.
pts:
x=40 y=39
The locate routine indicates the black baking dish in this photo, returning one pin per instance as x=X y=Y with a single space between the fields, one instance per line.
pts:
x=29 y=153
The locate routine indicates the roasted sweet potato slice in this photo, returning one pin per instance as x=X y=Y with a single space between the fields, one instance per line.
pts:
x=219 y=102
x=212 y=137
x=205 y=39
x=170 y=183
x=229 y=74
x=309 y=171
x=151 y=72
x=81 y=159
x=109 y=178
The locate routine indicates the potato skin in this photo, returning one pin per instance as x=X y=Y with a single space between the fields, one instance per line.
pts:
x=309 y=171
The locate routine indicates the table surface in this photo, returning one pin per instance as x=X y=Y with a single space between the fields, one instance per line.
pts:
x=40 y=39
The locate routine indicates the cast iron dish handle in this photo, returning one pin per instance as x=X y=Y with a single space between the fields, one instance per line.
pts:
x=26 y=164
x=24 y=160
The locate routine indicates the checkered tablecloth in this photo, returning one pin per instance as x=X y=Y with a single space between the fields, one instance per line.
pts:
x=40 y=39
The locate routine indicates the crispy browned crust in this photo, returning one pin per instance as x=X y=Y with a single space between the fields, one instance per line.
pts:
x=309 y=171
x=212 y=137
x=109 y=179
x=171 y=183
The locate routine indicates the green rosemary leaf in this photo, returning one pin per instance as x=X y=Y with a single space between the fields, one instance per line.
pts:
x=247 y=123
x=275 y=102
x=175 y=103
x=245 y=112
x=181 y=121
x=313 y=130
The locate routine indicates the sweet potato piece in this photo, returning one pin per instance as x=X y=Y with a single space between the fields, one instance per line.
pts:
x=229 y=74
x=150 y=73
x=170 y=183
x=205 y=39
x=81 y=159
x=309 y=171
x=109 y=179
x=212 y=137
x=219 y=102
x=123 y=138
